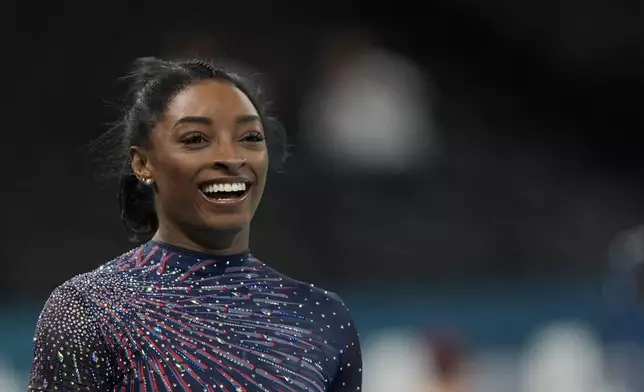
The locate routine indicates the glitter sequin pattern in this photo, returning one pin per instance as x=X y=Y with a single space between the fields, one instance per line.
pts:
x=160 y=318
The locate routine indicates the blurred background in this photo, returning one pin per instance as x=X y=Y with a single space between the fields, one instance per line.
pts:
x=466 y=174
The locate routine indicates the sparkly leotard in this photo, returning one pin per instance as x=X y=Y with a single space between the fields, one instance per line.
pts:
x=160 y=318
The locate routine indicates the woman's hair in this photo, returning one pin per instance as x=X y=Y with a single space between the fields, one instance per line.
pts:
x=153 y=85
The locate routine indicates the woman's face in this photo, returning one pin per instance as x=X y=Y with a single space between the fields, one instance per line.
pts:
x=207 y=157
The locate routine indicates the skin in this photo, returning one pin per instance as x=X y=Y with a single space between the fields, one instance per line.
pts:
x=210 y=130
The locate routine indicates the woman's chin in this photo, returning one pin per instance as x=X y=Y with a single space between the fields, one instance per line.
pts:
x=227 y=222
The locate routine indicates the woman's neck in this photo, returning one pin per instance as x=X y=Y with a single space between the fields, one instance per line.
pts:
x=220 y=243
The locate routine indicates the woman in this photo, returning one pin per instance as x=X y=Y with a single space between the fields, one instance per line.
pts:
x=192 y=309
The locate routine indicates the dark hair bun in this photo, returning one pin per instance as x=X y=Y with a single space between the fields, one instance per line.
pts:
x=145 y=70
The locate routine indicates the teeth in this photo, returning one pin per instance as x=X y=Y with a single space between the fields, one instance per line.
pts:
x=235 y=187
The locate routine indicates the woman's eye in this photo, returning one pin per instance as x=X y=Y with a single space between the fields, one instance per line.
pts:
x=254 y=137
x=193 y=138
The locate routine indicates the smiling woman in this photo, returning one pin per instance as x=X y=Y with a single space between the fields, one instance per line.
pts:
x=192 y=309
x=211 y=138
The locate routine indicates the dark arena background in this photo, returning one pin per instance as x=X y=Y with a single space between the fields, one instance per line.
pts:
x=468 y=175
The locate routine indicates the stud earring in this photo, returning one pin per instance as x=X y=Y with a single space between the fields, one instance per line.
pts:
x=148 y=181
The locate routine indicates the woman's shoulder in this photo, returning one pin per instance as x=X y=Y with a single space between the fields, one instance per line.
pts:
x=311 y=293
x=85 y=287
x=68 y=310
x=77 y=292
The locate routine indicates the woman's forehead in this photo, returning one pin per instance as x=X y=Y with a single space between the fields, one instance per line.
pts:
x=210 y=98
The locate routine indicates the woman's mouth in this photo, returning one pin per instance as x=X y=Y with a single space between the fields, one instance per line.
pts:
x=225 y=191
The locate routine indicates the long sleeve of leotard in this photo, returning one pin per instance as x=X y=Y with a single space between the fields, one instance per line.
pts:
x=349 y=377
x=69 y=352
